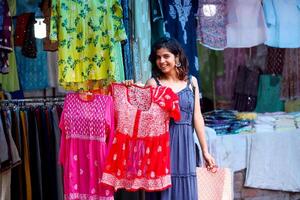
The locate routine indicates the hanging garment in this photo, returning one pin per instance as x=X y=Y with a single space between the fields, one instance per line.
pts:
x=33 y=73
x=225 y=84
x=275 y=60
x=17 y=178
x=141 y=41
x=25 y=157
x=268 y=97
x=46 y=9
x=212 y=66
x=157 y=20
x=180 y=24
x=5 y=177
x=7 y=125
x=10 y=81
x=5 y=36
x=5 y=187
x=293 y=106
x=87 y=130
x=20 y=29
x=57 y=138
x=246 y=23
x=52 y=63
x=212 y=21
x=245 y=90
x=126 y=45
x=35 y=155
x=140 y=156
x=119 y=73
x=12 y=7
x=87 y=32
x=27 y=6
x=4 y=149
x=290 y=88
x=29 y=47
x=283 y=23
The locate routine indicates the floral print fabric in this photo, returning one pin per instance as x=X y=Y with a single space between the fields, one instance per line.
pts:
x=140 y=154
x=87 y=32
x=212 y=20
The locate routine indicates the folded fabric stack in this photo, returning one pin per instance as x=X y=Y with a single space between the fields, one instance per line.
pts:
x=297 y=118
x=285 y=122
x=265 y=122
x=226 y=122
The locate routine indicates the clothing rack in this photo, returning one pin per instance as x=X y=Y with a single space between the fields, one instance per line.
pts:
x=40 y=101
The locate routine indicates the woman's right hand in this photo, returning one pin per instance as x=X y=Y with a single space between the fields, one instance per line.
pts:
x=128 y=82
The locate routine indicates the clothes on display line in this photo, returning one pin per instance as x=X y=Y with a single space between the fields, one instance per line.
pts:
x=34 y=130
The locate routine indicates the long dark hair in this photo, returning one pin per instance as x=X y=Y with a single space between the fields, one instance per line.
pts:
x=174 y=47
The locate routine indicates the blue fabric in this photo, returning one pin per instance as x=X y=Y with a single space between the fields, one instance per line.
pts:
x=183 y=153
x=283 y=23
x=27 y=6
x=225 y=122
x=33 y=73
x=180 y=23
x=126 y=46
x=157 y=20
x=2 y=4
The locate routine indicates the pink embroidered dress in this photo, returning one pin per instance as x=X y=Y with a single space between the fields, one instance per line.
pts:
x=140 y=153
x=87 y=131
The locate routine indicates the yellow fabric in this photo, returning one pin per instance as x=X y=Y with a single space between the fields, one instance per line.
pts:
x=12 y=4
x=26 y=155
x=292 y=105
x=87 y=32
x=246 y=115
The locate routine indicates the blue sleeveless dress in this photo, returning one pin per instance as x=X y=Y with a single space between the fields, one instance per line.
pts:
x=183 y=153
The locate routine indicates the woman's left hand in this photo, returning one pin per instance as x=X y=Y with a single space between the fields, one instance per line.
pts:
x=209 y=160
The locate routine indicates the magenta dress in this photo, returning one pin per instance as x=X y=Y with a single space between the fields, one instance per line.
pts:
x=87 y=132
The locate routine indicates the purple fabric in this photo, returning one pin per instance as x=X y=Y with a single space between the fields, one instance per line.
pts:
x=211 y=30
x=291 y=75
x=225 y=84
x=5 y=35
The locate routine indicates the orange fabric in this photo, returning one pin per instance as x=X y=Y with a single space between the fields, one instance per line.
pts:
x=26 y=156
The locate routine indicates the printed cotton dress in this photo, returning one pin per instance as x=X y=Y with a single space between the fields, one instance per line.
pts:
x=140 y=154
x=87 y=131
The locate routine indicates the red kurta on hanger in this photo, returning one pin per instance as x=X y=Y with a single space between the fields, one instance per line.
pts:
x=140 y=153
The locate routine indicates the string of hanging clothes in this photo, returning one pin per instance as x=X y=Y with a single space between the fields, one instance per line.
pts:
x=31 y=170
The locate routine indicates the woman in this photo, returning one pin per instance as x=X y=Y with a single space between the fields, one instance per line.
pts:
x=170 y=68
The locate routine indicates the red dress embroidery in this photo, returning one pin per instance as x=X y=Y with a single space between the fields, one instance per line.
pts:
x=140 y=154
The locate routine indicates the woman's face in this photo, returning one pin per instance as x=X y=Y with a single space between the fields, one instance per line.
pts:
x=165 y=60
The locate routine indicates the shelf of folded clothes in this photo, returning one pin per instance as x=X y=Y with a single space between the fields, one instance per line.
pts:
x=226 y=122
x=229 y=121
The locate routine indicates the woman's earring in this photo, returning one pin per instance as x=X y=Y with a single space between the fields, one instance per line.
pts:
x=178 y=64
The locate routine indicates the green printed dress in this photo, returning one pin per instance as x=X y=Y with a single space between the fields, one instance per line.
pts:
x=87 y=32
